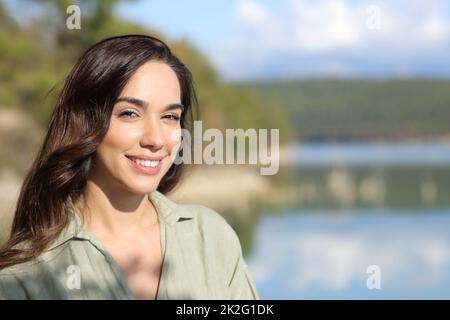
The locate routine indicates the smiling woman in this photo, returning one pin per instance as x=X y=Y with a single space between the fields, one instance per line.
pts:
x=92 y=219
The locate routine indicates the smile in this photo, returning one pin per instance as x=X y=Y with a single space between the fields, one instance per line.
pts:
x=146 y=163
x=145 y=166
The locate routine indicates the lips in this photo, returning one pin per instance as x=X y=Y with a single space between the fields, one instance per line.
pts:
x=142 y=157
x=146 y=166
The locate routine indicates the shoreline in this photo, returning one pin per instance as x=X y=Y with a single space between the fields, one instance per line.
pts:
x=223 y=187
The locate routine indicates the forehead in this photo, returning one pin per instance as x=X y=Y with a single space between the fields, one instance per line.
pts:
x=153 y=82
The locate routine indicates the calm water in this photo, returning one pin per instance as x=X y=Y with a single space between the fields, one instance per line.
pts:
x=371 y=154
x=383 y=205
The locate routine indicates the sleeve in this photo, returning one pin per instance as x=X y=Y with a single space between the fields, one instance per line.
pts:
x=227 y=252
x=241 y=284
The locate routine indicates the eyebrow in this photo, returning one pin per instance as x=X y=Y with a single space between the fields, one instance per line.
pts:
x=143 y=104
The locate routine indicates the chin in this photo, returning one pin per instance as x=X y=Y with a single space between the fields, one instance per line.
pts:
x=144 y=191
x=142 y=186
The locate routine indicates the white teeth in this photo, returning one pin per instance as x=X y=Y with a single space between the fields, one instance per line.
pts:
x=146 y=163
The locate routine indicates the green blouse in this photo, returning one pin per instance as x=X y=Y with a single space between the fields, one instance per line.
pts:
x=202 y=259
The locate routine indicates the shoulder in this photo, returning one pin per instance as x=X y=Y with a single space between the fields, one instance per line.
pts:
x=18 y=269
x=205 y=220
x=14 y=278
x=210 y=220
x=212 y=227
x=222 y=250
x=205 y=215
x=39 y=266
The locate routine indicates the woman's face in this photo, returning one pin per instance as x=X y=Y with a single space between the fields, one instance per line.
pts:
x=145 y=123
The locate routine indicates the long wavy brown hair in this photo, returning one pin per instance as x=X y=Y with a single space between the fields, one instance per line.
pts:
x=76 y=127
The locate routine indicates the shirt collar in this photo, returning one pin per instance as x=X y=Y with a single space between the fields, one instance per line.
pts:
x=168 y=211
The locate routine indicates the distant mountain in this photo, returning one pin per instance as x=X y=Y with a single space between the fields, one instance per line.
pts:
x=362 y=109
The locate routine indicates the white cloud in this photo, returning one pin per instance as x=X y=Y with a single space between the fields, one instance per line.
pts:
x=325 y=25
x=434 y=29
x=312 y=26
x=305 y=37
x=252 y=13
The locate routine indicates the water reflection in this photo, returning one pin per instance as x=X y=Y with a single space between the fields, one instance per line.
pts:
x=366 y=186
x=351 y=206
x=324 y=255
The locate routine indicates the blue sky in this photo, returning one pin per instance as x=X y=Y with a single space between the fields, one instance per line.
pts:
x=283 y=39
x=262 y=39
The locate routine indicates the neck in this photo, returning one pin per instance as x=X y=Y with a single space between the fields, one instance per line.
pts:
x=115 y=212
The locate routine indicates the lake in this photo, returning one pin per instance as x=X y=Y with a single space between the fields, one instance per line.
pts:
x=374 y=224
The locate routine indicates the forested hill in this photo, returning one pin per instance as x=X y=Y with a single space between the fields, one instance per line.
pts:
x=37 y=54
x=366 y=109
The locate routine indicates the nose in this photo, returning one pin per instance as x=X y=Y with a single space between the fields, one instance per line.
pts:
x=153 y=136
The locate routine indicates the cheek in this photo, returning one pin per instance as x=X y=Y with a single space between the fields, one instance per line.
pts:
x=117 y=139
x=173 y=138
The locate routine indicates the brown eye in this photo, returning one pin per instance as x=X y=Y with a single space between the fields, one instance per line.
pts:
x=128 y=114
x=172 y=117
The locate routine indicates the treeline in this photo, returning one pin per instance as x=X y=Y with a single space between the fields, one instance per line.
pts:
x=363 y=109
x=36 y=55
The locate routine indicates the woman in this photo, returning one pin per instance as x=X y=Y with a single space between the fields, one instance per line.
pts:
x=92 y=219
